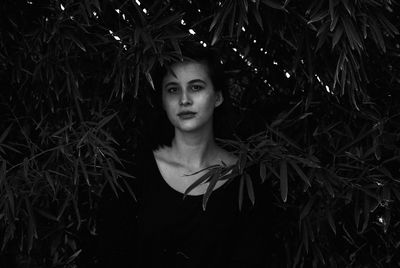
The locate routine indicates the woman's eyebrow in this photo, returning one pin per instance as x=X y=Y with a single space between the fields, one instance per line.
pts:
x=170 y=84
x=196 y=81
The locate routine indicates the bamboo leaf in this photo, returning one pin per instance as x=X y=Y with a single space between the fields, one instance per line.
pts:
x=283 y=180
x=73 y=256
x=84 y=171
x=77 y=213
x=396 y=193
x=332 y=9
x=202 y=179
x=331 y=220
x=105 y=120
x=389 y=26
x=241 y=186
x=284 y=115
x=3 y=172
x=366 y=212
x=318 y=253
x=150 y=80
x=137 y=74
x=347 y=6
x=242 y=159
x=210 y=188
x=300 y=172
x=272 y=4
x=263 y=172
x=305 y=239
x=129 y=190
x=63 y=207
x=306 y=209
x=257 y=16
x=46 y=214
x=336 y=36
x=250 y=188
x=218 y=31
x=273 y=171
x=357 y=210
x=25 y=167
x=387 y=219
x=50 y=182
x=5 y=133
x=318 y=17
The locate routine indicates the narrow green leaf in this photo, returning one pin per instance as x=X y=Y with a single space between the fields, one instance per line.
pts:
x=210 y=188
x=3 y=172
x=25 y=167
x=46 y=214
x=396 y=193
x=77 y=42
x=273 y=171
x=305 y=237
x=199 y=181
x=331 y=220
x=387 y=220
x=130 y=191
x=300 y=172
x=386 y=194
x=250 y=188
x=263 y=172
x=242 y=159
x=284 y=115
x=306 y=209
x=347 y=6
x=63 y=207
x=332 y=9
x=257 y=16
x=77 y=213
x=283 y=180
x=105 y=120
x=137 y=74
x=389 y=26
x=357 y=209
x=336 y=36
x=232 y=21
x=50 y=182
x=318 y=17
x=5 y=133
x=150 y=80
x=241 y=186
x=215 y=20
x=73 y=256
x=272 y=4
x=84 y=171
x=366 y=213
x=317 y=252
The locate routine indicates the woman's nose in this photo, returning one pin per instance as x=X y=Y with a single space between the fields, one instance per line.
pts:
x=185 y=99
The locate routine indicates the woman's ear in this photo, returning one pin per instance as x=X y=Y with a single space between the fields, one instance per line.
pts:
x=219 y=99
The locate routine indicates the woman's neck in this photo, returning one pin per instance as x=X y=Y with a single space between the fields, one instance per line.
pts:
x=195 y=150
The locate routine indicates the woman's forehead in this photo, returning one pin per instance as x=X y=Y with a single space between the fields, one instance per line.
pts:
x=187 y=70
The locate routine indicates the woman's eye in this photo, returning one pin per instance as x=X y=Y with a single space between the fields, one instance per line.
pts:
x=197 y=87
x=172 y=90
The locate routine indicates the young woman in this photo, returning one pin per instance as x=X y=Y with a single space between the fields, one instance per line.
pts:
x=172 y=231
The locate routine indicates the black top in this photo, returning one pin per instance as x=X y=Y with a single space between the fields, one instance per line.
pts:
x=164 y=230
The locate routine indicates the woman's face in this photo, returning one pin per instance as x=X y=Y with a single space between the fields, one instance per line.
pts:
x=189 y=97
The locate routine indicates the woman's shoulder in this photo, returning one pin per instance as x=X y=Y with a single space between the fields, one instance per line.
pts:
x=227 y=157
x=163 y=155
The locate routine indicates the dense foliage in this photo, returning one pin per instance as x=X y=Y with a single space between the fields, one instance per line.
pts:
x=315 y=86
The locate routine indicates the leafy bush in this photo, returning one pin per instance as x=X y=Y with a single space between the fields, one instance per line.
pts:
x=315 y=89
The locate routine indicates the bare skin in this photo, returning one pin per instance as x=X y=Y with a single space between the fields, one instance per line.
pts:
x=190 y=90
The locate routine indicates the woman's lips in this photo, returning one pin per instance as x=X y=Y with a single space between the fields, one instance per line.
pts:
x=186 y=115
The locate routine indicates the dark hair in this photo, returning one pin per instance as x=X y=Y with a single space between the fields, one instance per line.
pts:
x=160 y=131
